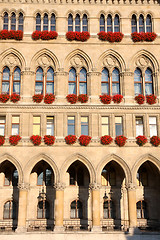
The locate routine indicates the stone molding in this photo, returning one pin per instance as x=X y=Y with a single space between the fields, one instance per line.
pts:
x=23 y=186
x=95 y=186
x=59 y=186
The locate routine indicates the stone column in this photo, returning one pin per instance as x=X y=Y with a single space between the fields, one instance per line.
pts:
x=96 y=227
x=61 y=85
x=22 y=209
x=127 y=86
x=59 y=207
x=27 y=85
x=94 y=86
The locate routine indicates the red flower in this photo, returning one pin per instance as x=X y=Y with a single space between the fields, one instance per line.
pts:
x=106 y=140
x=139 y=37
x=72 y=98
x=70 y=139
x=110 y=36
x=2 y=140
x=140 y=99
x=44 y=35
x=53 y=34
x=4 y=97
x=37 y=98
x=4 y=34
x=151 y=99
x=49 y=98
x=84 y=140
x=141 y=140
x=155 y=141
x=120 y=140
x=117 y=98
x=12 y=34
x=78 y=36
x=36 y=140
x=49 y=140
x=15 y=97
x=83 y=98
x=36 y=35
x=106 y=99
x=14 y=139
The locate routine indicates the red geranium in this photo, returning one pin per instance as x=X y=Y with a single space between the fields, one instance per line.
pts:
x=84 y=140
x=117 y=98
x=70 y=139
x=151 y=99
x=150 y=36
x=49 y=98
x=4 y=34
x=4 y=97
x=37 y=98
x=140 y=99
x=120 y=140
x=12 y=34
x=36 y=140
x=2 y=140
x=36 y=35
x=15 y=97
x=49 y=140
x=110 y=36
x=14 y=139
x=78 y=36
x=47 y=35
x=83 y=98
x=106 y=140
x=106 y=99
x=72 y=98
x=155 y=141
x=141 y=140
x=139 y=37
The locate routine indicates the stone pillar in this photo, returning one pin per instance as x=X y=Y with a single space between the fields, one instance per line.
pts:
x=127 y=86
x=59 y=207
x=61 y=86
x=96 y=225
x=22 y=209
x=28 y=81
x=94 y=86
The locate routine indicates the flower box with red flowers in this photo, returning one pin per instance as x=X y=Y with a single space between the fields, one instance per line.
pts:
x=155 y=141
x=117 y=98
x=106 y=139
x=140 y=99
x=36 y=140
x=140 y=37
x=151 y=99
x=141 y=140
x=110 y=36
x=120 y=140
x=37 y=98
x=14 y=139
x=14 y=97
x=78 y=36
x=44 y=35
x=70 y=139
x=12 y=34
x=49 y=98
x=49 y=140
x=72 y=98
x=4 y=97
x=83 y=98
x=84 y=140
x=2 y=140
x=105 y=99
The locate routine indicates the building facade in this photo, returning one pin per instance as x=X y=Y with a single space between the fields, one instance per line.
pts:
x=66 y=187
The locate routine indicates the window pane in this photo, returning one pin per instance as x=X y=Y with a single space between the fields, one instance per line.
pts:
x=48 y=177
x=72 y=88
x=77 y=23
x=83 y=75
x=36 y=129
x=148 y=24
x=85 y=23
x=139 y=126
x=82 y=88
x=102 y=23
x=118 y=126
x=109 y=23
x=71 y=125
x=50 y=126
x=5 y=21
x=134 y=23
x=39 y=88
x=2 y=125
x=36 y=119
x=40 y=179
x=116 y=24
x=15 y=129
x=141 y=23
x=39 y=74
x=70 y=23
x=105 y=126
x=84 y=125
x=153 y=126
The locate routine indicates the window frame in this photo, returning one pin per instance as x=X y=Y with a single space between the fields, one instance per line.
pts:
x=12 y=205
x=4 y=124
x=36 y=124
x=44 y=210
x=38 y=81
x=140 y=125
x=20 y=25
x=5 y=23
x=77 y=211
x=117 y=124
x=15 y=124
x=38 y=24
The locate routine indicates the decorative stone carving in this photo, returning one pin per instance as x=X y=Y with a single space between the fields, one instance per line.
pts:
x=23 y=186
x=59 y=186
x=44 y=61
x=77 y=61
x=142 y=61
x=11 y=60
x=94 y=186
x=110 y=62
x=131 y=186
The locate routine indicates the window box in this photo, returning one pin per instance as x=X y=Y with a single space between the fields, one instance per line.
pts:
x=49 y=140
x=84 y=140
x=2 y=140
x=155 y=141
x=4 y=97
x=140 y=99
x=117 y=98
x=78 y=36
x=140 y=37
x=120 y=140
x=36 y=140
x=37 y=98
x=49 y=98
x=105 y=99
x=72 y=98
x=12 y=34
x=14 y=139
x=151 y=99
x=106 y=140
x=83 y=98
x=14 y=97
x=141 y=140
x=44 y=35
x=70 y=139
x=110 y=36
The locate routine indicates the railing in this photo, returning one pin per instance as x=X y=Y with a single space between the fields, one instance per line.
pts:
x=149 y=225
x=8 y=224
x=114 y=225
x=40 y=224
x=77 y=224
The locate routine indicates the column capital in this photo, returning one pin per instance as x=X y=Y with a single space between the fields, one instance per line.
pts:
x=127 y=74
x=27 y=71
x=94 y=186
x=23 y=186
x=59 y=186
x=131 y=186
x=94 y=73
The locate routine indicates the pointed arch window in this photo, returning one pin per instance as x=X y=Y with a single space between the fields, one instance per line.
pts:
x=108 y=209
x=105 y=81
x=50 y=81
x=17 y=80
x=20 y=22
x=134 y=23
x=148 y=23
x=83 y=81
x=76 y=176
x=72 y=81
x=137 y=81
x=5 y=21
x=109 y=23
x=77 y=23
x=141 y=210
x=44 y=176
x=116 y=24
x=115 y=82
x=38 y=22
x=148 y=82
x=141 y=23
x=5 y=80
x=13 y=21
x=10 y=210
x=39 y=81
x=76 y=209
x=108 y=177
x=70 y=22
x=53 y=22
x=45 y=22
x=43 y=210
x=85 y=23
x=102 y=23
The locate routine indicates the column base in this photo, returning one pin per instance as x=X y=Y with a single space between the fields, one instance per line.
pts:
x=21 y=230
x=96 y=229
x=134 y=230
x=59 y=229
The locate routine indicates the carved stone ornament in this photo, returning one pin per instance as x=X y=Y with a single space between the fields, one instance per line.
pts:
x=142 y=61
x=44 y=61
x=131 y=186
x=77 y=61
x=60 y=186
x=23 y=186
x=109 y=61
x=94 y=186
x=11 y=60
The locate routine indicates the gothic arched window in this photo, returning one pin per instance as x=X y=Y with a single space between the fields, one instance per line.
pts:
x=76 y=209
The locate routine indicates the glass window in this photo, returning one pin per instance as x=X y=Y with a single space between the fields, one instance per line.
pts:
x=45 y=22
x=43 y=209
x=70 y=22
x=2 y=125
x=36 y=125
x=71 y=125
x=50 y=81
x=102 y=23
x=16 y=80
x=15 y=178
x=15 y=125
x=20 y=22
x=84 y=126
x=39 y=81
x=141 y=23
x=116 y=24
x=105 y=126
x=148 y=82
x=72 y=88
x=137 y=81
x=148 y=24
x=13 y=21
x=134 y=23
x=5 y=80
x=53 y=22
x=5 y=21
x=83 y=81
x=44 y=176
x=139 y=126
x=77 y=23
x=153 y=126
x=105 y=81
x=115 y=82
x=50 y=126
x=109 y=23
x=9 y=210
x=38 y=22
x=108 y=209
x=84 y=23
x=76 y=209
x=141 y=209
x=118 y=126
